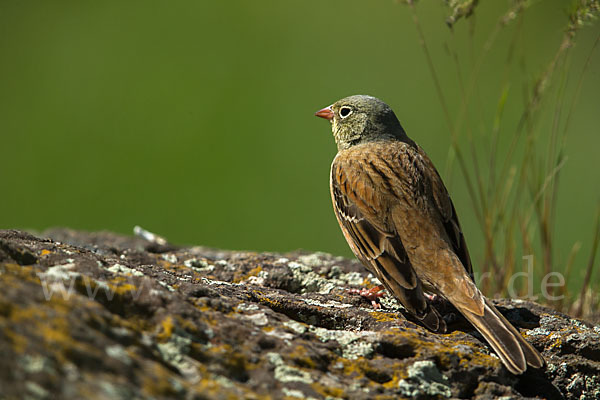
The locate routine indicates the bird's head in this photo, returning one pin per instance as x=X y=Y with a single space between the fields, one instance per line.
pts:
x=360 y=119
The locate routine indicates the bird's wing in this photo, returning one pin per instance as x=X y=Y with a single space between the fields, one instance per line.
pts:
x=427 y=226
x=448 y=213
x=358 y=207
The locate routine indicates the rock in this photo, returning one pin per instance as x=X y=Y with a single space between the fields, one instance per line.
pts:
x=99 y=315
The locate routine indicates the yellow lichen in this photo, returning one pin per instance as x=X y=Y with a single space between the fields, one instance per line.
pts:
x=19 y=272
x=167 y=327
x=19 y=343
x=328 y=391
x=253 y=272
x=157 y=382
x=300 y=356
x=384 y=316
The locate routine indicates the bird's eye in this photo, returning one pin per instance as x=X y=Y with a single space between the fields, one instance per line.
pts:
x=345 y=111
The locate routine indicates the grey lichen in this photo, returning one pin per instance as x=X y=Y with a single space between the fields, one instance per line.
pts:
x=285 y=373
x=60 y=272
x=258 y=319
x=424 y=379
x=118 y=352
x=35 y=391
x=588 y=386
x=353 y=344
x=171 y=258
x=309 y=281
x=295 y=394
x=350 y=278
x=123 y=270
x=329 y=304
x=175 y=352
x=295 y=326
x=198 y=265
x=317 y=259
x=33 y=364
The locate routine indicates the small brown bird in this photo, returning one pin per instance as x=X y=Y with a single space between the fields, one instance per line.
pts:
x=398 y=219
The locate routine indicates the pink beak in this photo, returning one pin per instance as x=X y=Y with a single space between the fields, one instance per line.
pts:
x=326 y=113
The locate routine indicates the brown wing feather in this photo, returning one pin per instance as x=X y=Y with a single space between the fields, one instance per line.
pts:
x=448 y=213
x=376 y=244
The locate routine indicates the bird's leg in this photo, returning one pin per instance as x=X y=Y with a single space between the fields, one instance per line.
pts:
x=431 y=297
x=370 y=294
x=450 y=318
x=448 y=311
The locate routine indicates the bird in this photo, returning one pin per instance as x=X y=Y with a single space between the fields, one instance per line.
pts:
x=400 y=222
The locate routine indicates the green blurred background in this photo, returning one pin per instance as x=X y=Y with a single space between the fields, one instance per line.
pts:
x=194 y=119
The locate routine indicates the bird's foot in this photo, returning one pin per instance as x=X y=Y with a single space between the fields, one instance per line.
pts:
x=372 y=295
x=450 y=318
x=444 y=307
x=431 y=297
x=435 y=300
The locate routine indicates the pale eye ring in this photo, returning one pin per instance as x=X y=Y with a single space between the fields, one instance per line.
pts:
x=345 y=111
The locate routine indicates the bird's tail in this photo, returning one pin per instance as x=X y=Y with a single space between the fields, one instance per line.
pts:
x=514 y=351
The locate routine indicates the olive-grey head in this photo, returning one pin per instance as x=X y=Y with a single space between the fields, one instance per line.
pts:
x=360 y=119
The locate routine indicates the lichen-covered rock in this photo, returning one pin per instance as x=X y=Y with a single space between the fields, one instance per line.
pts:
x=98 y=315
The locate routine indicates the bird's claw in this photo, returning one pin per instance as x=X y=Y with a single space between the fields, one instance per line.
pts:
x=431 y=297
x=450 y=318
x=372 y=295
